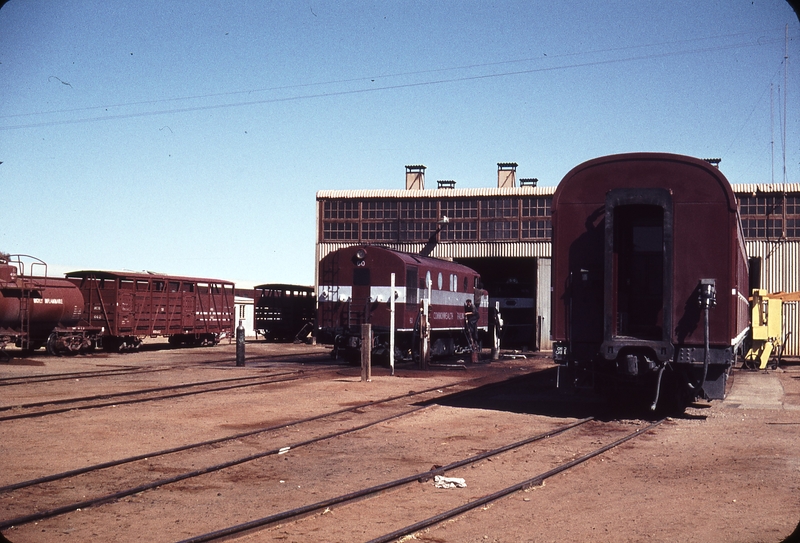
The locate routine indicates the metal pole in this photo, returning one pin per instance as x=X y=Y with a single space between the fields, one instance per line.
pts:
x=495 y=332
x=391 y=323
x=366 y=352
x=240 y=344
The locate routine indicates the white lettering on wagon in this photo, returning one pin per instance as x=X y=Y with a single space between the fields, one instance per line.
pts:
x=49 y=301
x=442 y=315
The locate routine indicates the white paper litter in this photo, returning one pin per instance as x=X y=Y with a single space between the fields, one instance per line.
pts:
x=440 y=481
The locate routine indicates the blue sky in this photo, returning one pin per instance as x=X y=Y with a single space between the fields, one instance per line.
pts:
x=191 y=137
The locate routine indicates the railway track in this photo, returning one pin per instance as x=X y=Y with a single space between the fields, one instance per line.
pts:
x=68 y=478
x=114 y=372
x=49 y=407
x=254 y=360
x=378 y=491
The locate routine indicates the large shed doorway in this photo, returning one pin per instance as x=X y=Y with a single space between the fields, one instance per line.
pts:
x=514 y=283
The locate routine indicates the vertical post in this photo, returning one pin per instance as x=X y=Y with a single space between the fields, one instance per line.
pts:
x=495 y=326
x=366 y=352
x=240 y=344
x=391 y=323
x=424 y=336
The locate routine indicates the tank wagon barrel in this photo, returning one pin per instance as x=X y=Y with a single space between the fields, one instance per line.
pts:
x=650 y=277
x=41 y=310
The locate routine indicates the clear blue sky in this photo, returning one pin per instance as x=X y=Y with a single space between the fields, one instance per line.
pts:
x=191 y=137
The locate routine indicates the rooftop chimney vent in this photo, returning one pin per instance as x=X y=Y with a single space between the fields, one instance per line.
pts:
x=506 y=174
x=528 y=182
x=713 y=161
x=446 y=184
x=415 y=177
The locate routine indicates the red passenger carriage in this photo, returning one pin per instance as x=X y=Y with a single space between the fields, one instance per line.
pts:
x=650 y=276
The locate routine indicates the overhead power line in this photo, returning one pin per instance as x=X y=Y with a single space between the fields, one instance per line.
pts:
x=327 y=94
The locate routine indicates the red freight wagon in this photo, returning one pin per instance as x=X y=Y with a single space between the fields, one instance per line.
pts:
x=354 y=289
x=131 y=306
x=283 y=312
x=649 y=277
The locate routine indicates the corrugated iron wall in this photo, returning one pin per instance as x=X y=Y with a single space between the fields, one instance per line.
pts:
x=790 y=329
x=780 y=273
x=543 y=301
x=779 y=261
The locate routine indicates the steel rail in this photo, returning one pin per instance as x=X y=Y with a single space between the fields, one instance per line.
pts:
x=113 y=463
x=534 y=481
x=142 y=400
x=359 y=494
x=187 y=475
x=135 y=392
x=42 y=378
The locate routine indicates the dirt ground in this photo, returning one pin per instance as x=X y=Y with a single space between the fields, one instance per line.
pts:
x=729 y=471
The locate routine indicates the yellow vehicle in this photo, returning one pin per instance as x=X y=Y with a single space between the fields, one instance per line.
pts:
x=767 y=328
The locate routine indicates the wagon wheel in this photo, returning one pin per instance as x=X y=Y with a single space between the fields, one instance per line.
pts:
x=51 y=345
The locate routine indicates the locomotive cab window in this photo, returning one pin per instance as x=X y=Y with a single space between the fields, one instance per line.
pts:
x=411 y=286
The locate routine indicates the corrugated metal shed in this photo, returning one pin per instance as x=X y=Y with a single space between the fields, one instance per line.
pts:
x=744 y=188
x=779 y=264
x=780 y=259
x=493 y=192
x=450 y=250
x=486 y=192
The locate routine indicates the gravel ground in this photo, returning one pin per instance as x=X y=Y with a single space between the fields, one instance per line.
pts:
x=727 y=471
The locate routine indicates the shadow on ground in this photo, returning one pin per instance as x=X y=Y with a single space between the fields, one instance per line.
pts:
x=536 y=394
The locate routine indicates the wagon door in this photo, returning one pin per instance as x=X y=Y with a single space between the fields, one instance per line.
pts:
x=638 y=264
x=188 y=307
x=125 y=307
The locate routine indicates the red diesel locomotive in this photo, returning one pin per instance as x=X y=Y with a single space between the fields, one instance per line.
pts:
x=649 y=278
x=354 y=289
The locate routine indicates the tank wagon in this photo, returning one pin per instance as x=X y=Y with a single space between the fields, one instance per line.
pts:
x=649 y=279
x=284 y=312
x=38 y=311
x=130 y=306
x=355 y=288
